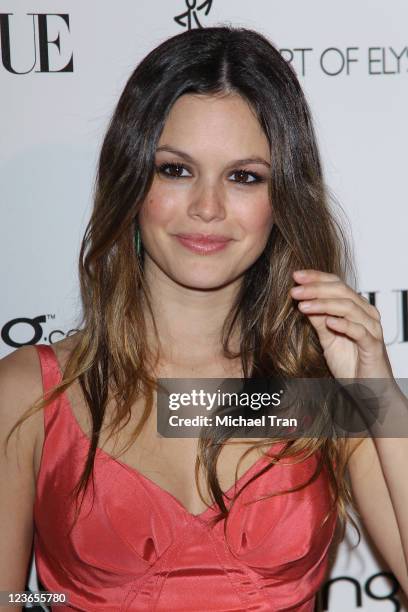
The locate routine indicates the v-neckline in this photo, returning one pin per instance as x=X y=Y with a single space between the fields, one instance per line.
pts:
x=246 y=475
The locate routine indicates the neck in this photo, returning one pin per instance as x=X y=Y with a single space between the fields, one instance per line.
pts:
x=189 y=321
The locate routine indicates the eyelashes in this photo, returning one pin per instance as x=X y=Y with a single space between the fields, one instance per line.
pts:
x=178 y=167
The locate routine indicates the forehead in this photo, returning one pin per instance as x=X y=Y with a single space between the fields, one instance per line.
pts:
x=210 y=122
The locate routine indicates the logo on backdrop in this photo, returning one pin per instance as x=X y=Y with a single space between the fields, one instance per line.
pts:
x=11 y=332
x=401 y=295
x=354 y=590
x=191 y=17
x=45 y=36
x=334 y=61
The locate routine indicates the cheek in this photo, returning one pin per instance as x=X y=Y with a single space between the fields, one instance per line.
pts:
x=158 y=208
x=257 y=219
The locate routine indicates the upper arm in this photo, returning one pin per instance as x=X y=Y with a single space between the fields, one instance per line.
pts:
x=20 y=386
x=374 y=504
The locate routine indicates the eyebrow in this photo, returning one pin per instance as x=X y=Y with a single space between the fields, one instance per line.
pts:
x=247 y=160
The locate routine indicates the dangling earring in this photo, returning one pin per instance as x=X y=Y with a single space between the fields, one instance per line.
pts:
x=138 y=242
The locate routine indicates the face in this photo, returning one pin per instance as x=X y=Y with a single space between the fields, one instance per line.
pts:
x=211 y=180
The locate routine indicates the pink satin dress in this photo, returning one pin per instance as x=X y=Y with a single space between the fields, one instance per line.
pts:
x=139 y=549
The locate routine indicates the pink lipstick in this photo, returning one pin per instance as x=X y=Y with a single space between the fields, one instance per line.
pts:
x=203 y=243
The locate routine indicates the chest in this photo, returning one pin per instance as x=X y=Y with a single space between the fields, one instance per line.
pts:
x=169 y=462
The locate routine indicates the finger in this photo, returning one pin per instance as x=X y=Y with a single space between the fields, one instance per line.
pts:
x=343 y=307
x=356 y=332
x=334 y=289
x=310 y=275
x=370 y=308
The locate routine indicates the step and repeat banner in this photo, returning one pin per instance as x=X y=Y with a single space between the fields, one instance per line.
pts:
x=63 y=66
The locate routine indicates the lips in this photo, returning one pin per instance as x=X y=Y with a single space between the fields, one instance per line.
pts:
x=203 y=244
x=204 y=238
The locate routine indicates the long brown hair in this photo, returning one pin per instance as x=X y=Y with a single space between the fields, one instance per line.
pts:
x=111 y=355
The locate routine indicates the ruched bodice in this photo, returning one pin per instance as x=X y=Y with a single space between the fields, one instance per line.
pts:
x=135 y=547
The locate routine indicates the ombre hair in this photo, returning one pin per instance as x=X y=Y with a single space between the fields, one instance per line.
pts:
x=111 y=357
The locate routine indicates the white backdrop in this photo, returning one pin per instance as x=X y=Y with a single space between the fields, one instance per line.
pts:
x=56 y=99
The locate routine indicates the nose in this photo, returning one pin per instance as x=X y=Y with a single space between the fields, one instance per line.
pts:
x=208 y=203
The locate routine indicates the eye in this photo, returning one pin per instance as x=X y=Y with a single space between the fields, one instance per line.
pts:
x=175 y=170
x=244 y=174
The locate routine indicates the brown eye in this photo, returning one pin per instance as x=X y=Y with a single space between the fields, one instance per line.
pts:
x=244 y=174
x=172 y=170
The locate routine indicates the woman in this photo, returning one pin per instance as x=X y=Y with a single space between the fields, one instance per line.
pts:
x=209 y=208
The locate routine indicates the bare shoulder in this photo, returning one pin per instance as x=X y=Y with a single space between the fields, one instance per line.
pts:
x=20 y=378
x=20 y=387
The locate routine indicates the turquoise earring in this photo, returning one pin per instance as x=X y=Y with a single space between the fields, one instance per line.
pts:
x=138 y=242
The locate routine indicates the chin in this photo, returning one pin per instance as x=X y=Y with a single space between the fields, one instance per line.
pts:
x=203 y=281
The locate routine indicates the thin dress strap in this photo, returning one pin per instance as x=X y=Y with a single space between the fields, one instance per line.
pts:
x=51 y=376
